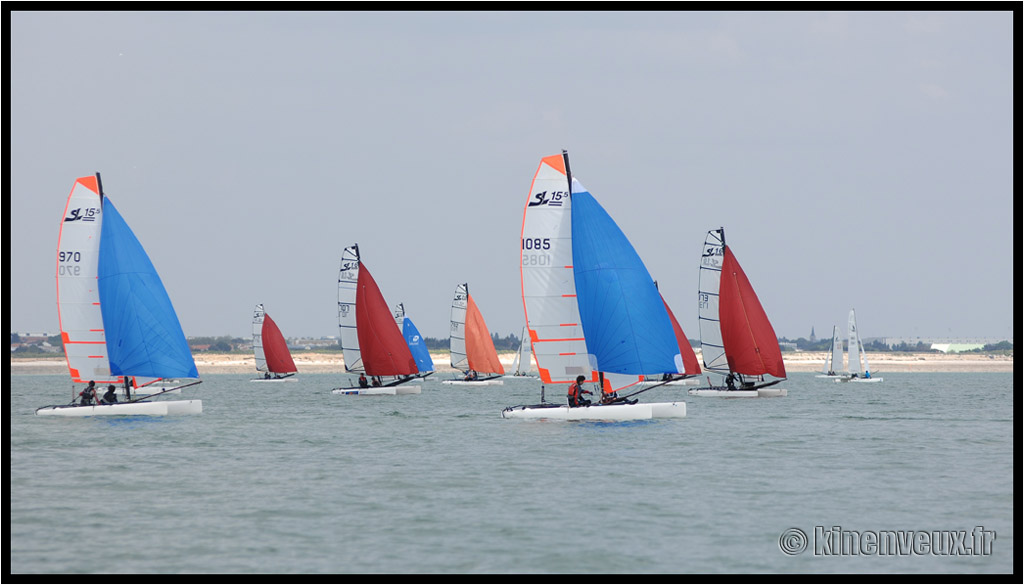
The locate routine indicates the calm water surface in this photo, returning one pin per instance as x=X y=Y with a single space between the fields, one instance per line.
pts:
x=289 y=478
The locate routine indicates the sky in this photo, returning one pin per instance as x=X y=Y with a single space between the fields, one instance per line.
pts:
x=855 y=159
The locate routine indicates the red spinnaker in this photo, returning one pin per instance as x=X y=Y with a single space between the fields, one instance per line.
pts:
x=275 y=350
x=751 y=346
x=384 y=350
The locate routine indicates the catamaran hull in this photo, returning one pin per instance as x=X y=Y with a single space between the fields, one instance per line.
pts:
x=156 y=408
x=683 y=382
x=598 y=412
x=760 y=393
x=273 y=380
x=379 y=391
x=473 y=382
x=859 y=380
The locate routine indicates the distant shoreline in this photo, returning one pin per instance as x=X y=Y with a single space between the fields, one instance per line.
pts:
x=325 y=363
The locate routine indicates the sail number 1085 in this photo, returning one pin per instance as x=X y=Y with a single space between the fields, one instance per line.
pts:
x=536 y=243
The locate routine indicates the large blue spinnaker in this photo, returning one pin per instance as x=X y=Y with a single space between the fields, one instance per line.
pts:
x=624 y=320
x=417 y=346
x=144 y=337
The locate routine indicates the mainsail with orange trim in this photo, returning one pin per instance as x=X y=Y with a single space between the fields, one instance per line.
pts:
x=470 y=342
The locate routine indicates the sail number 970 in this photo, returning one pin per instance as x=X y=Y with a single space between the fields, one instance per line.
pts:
x=69 y=269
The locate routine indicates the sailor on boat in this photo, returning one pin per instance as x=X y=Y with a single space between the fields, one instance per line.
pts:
x=362 y=381
x=88 y=395
x=111 y=395
x=471 y=376
x=576 y=393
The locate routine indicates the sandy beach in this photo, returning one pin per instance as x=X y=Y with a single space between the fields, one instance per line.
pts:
x=325 y=363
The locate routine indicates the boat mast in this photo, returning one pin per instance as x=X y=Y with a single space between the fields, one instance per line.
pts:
x=568 y=173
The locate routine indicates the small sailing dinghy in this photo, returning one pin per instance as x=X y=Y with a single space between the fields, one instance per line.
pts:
x=270 y=350
x=117 y=323
x=472 y=349
x=834 y=359
x=737 y=339
x=417 y=346
x=857 y=369
x=522 y=364
x=371 y=342
x=591 y=306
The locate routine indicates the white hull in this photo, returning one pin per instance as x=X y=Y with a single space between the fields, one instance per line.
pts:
x=599 y=412
x=830 y=376
x=474 y=382
x=761 y=393
x=859 y=380
x=274 y=380
x=684 y=382
x=156 y=408
x=379 y=391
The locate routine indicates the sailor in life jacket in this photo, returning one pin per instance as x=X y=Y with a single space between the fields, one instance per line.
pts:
x=576 y=393
x=88 y=396
x=362 y=381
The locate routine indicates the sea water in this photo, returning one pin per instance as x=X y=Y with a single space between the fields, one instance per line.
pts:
x=290 y=478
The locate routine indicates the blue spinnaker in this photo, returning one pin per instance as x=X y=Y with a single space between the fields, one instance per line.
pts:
x=624 y=320
x=417 y=346
x=144 y=337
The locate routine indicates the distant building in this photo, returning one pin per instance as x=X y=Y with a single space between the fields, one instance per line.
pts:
x=813 y=338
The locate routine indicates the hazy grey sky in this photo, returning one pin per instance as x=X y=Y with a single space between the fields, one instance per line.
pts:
x=855 y=159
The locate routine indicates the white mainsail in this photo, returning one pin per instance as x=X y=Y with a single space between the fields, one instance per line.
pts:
x=549 y=287
x=854 y=345
x=348 y=277
x=78 y=297
x=257 y=338
x=457 y=333
x=834 y=359
x=712 y=348
x=521 y=364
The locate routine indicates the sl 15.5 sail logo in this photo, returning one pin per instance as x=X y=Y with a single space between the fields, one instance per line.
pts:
x=87 y=214
x=552 y=199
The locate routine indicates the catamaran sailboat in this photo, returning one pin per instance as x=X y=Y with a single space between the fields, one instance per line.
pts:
x=857 y=368
x=371 y=343
x=591 y=306
x=737 y=340
x=116 y=320
x=472 y=349
x=270 y=350
x=834 y=358
x=522 y=364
